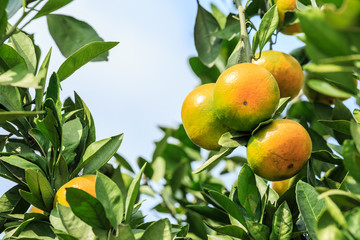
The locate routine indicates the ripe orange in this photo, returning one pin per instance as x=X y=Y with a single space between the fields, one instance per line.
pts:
x=281 y=186
x=85 y=183
x=286 y=70
x=287 y=6
x=279 y=150
x=315 y=96
x=200 y=121
x=34 y=209
x=245 y=95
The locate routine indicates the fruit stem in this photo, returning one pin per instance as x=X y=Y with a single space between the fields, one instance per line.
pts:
x=245 y=48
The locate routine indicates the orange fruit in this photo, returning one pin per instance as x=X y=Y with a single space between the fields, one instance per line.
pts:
x=315 y=96
x=279 y=150
x=199 y=119
x=281 y=186
x=286 y=70
x=34 y=209
x=245 y=95
x=85 y=183
x=287 y=6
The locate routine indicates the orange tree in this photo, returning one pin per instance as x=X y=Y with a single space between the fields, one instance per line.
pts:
x=48 y=143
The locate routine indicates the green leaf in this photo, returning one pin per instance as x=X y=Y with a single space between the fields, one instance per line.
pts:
x=230 y=30
x=12 y=7
x=18 y=76
x=342 y=126
x=229 y=206
x=72 y=132
x=3 y=17
x=10 y=98
x=206 y=75
x=316 y=29
x=345 y=200
x=233 y=139
x=51 y=6
x=132 y=195
x=230 y=230
x=20 y=163
x=219 y=16
x=61 y=173
x=327 y=89
x=326 y=228
x=87 y=208
x=355 y=133
x=9 y=116
x=351 y=159
x=71 y=223
x=214 y=159
x=109 y=195
x=41 y=80
x=11 y=202
x=10 y=57
x=98 y=153
x=353 y=220
x=209 y=212
x=33 y=200
x=178 y=175
x=125 y=232
x=25 y=47
x=53 y=92
x=82 y=56
x=47 y=193
x=258 y=231
x=281 y=107
x=309 y=205
x=248 y=193
x=282 y=225
x=158 y=230
x=336 y=213
x=268 y=25
x=356 y=114
x=207 y=45
x=122 y=162
x=50 y=125
x=71 y=34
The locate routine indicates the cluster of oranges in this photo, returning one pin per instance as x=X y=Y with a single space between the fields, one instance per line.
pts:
x=243 y=96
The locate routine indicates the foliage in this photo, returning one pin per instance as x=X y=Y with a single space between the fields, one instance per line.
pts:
x=47 y=141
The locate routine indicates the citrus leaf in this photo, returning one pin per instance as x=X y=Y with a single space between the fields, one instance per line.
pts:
x=132 y=194
x=282 y=225
x=229 y=206
x=327 y=89
x=207 y=45
x=268 y=25
x=109 y=195
x=158 y=230
x=97 y=154
x=342 y=126
x=211 y=213
x=230 y=230
x=309 y=205
x=214 y=159
x=12 y=115
x=87 y=208
x=25 y=47
x=258 y=231
x=41 y=80
x=351 y=159
x=82 y=56
x=51 y=6
x=72 y=224
x=248 y=193
x=71 y=34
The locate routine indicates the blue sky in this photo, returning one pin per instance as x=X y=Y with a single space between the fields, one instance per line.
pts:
x=147 y=76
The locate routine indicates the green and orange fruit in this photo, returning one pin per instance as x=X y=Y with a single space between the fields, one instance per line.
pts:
x=286 y=70
x=279 y=150
x=245 y=95
x=283 y=7
x=85 y=183
x=199 y=118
